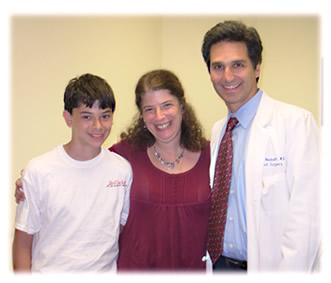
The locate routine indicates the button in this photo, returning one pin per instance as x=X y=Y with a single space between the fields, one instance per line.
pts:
x=231 y=246
x=231 y=218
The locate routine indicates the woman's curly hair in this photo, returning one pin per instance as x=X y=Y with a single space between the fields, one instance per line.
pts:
x=192 y=137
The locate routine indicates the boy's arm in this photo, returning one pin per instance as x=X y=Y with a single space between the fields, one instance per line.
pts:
x=22 y=251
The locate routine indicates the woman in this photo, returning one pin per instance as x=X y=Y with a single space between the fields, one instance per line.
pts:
x=170 y=196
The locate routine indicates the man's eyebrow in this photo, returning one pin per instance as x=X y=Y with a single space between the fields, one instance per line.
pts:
x=231 y=62
x=239 y=61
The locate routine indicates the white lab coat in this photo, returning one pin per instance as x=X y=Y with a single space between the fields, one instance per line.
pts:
x=282 y=175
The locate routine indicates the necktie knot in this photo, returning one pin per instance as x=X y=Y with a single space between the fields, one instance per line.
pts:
x=233 y=121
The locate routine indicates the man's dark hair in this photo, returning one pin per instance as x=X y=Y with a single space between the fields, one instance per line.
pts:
x=233 y=31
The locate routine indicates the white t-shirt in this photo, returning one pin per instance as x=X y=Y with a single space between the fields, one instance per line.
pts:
x=74 y=209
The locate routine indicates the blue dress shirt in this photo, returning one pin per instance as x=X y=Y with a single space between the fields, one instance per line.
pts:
x=235 y=237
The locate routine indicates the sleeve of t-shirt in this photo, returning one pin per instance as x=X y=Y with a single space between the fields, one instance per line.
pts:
x=28 y=212
x=126 y=204
x=123 y=148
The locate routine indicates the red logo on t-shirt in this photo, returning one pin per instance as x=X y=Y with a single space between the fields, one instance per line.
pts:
x=116 y=183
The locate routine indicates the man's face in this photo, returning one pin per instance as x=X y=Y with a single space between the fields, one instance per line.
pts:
x=232 y=73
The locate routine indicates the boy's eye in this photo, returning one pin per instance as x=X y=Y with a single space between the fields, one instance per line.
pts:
x=106 y=117
x=86 y=117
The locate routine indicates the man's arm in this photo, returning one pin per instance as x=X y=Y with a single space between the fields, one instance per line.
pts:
x=22 y=251
x=19 y=193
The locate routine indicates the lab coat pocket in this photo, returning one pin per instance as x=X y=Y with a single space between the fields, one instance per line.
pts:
x=275 y=196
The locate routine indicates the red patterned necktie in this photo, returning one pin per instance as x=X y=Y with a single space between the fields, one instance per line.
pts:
x=220 y=194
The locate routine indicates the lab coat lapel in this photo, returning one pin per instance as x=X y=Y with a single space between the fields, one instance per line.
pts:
x=257 y=144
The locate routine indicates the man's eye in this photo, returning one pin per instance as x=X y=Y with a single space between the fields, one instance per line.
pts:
x=238 y=65
x=217 y=67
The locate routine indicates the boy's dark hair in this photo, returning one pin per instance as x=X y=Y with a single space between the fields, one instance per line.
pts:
x=87 y=89
x=233 y=31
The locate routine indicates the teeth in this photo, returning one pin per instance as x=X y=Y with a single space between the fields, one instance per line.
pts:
x=163 y=126
x=231 y=86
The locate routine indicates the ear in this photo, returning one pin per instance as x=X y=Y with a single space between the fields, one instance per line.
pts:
x=182 y=108
x=68 y=118
x=257 y=70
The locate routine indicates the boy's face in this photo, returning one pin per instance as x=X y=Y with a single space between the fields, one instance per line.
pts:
x=90 y=126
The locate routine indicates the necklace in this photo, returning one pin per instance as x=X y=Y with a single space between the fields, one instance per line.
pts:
x=170 y=165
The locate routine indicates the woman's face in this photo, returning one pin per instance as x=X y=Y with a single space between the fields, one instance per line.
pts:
x=162 y=114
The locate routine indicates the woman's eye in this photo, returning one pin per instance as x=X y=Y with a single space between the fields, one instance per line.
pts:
x=148 y=109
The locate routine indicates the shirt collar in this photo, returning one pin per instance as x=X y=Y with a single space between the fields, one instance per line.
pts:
x=247 y=112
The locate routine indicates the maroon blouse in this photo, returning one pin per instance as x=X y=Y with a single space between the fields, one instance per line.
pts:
x=167 y=224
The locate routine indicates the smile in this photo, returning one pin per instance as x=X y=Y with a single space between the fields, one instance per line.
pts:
x=231 y=86
x=96 y=136
x=161 y=127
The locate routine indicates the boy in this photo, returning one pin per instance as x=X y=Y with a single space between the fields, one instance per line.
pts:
x=77 y=195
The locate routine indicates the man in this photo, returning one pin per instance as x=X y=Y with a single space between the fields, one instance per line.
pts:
x=272 y=214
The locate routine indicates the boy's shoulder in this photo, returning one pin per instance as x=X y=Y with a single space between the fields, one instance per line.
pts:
x=45 y=158
x=116 y=159
x=56 y=158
